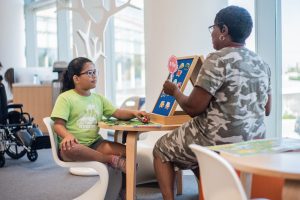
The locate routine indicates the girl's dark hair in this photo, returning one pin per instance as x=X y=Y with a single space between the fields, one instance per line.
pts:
x=74 y=68
x=238 y=20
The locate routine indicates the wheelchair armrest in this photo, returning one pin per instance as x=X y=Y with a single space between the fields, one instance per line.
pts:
x=29 y=119
x=16 y=125
x=14 y=106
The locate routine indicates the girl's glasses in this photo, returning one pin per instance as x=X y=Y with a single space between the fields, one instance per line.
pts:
x=90 y=73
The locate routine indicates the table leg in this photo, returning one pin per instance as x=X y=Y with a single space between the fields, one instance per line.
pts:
x=246 y=179
x=291 y=190
x=131 y=165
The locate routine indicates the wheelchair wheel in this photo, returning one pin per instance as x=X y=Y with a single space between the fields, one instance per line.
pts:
x=2 y=160
x=15 y=151
x=32 y=155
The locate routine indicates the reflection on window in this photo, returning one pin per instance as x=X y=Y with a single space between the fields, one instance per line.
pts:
x=129 y=52
x=46 y=37
x=290 y=69
x=249 y=5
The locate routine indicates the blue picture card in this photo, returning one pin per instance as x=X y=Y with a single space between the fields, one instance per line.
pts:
x=166 y=102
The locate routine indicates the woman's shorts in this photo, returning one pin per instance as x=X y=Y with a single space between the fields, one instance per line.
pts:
x=174 y=146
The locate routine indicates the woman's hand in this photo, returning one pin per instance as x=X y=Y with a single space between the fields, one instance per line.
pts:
x=142 y=116
x=68 y=142
x=170 y=88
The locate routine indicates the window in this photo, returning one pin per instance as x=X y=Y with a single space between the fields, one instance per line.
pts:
x=290 y=69
x=47 y=33
x=129 y=53
x=46 y=36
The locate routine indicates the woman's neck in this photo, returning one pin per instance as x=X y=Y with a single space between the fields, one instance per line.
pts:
x=235 y=44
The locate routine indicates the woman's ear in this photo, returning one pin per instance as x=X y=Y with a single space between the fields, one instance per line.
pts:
x=224 y=30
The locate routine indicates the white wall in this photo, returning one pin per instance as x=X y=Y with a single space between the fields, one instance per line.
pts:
x=12 y=34
x=175 y=27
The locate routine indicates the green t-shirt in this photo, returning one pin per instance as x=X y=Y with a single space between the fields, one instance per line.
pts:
x=82 y=114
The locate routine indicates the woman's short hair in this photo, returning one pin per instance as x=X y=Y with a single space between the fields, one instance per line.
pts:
x=238 y=20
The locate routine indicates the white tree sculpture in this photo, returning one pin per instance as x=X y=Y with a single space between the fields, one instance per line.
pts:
x=93 y=36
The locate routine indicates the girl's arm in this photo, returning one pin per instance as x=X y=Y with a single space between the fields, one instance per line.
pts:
x=124 y=114
x=68 y=139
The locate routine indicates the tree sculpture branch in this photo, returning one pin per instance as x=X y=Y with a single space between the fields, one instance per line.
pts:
x=93 y=37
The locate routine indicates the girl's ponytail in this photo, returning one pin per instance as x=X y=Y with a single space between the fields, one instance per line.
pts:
x=67 y=82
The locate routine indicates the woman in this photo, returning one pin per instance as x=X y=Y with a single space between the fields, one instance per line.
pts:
x=10 y=79
x=228 y=104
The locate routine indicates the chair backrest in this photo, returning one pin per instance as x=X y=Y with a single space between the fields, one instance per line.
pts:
x=133 y=103
x=219 y=179
x=53 y=140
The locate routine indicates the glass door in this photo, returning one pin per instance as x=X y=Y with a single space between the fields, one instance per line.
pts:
x=290 y=69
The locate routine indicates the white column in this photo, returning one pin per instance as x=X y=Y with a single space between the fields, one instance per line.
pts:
x=12 y=33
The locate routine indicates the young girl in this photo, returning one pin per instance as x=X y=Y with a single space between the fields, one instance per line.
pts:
x=77 y=112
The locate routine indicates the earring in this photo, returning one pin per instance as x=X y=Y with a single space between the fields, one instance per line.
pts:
x=222 y=37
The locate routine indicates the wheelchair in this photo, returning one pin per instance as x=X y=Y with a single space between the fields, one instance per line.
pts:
x=20 y=136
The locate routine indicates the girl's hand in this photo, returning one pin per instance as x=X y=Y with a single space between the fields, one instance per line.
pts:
x=142 y=116
x=170 y=88
x=68 y=142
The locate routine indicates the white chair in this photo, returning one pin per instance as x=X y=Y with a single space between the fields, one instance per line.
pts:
x=145 y=173
x=98 y=190
x=145 y=146
x=219 y=179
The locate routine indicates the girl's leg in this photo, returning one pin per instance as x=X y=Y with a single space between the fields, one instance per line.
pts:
x=111 y=148
x=117 y=151
x=80 y=152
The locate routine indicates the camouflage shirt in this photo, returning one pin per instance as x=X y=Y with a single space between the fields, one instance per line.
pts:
x=239 y=82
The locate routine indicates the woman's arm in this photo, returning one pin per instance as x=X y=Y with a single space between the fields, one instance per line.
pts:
x=60 y=129
x=194 y=104
x=268 y=106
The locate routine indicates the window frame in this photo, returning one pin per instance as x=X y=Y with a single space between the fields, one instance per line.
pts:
x=110 y=72
x=63 y=31
x=268 y=46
